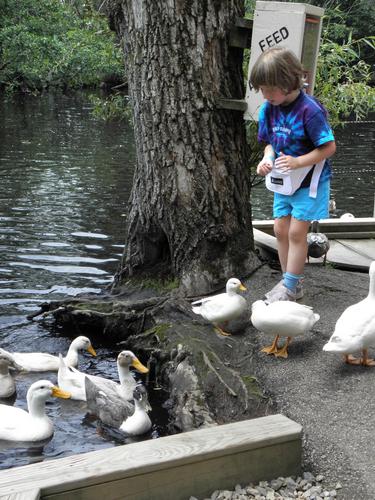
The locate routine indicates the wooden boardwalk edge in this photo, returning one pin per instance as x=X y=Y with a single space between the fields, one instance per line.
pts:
x=354 y=254
x=172 y=467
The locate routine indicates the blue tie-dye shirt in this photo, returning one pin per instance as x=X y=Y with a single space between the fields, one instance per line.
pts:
x=296 y=129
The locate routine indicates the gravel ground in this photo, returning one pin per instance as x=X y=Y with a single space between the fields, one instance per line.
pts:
x=307 y=487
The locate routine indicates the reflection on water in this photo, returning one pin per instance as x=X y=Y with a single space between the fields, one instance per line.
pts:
x=64 y=184
x=353 y=182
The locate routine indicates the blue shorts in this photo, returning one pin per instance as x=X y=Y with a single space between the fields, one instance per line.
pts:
x=301 y=206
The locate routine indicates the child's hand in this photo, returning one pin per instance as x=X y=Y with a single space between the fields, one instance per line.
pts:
x=265 y=166
x=285 y=163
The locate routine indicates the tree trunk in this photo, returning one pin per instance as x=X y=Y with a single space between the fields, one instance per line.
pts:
x=190 y=213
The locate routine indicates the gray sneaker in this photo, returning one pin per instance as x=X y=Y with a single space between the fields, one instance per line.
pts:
x=280 y=288
x=275 y=289
x=299 y=289
x=283 y=293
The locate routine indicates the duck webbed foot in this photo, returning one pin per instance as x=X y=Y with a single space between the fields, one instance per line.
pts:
x=351 y=360
x=273 y=348
x=366 y=361
x=283 y=352
x=220 y=331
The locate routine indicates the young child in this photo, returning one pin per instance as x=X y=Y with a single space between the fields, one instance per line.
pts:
x=294 y=127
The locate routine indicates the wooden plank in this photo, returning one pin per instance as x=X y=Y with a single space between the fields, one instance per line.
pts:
x=363 y=251
x=233 y=104
x=290 y=7
x=240 y=34
x=265 y=240
x=33 y=494
x=172 y=467
x=244 y=22
x=354 y=254
x=199 y=479
x=334 y=228
x=348 y=235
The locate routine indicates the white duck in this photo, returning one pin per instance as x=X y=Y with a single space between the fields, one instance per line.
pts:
x=347 y=216
x=33 y=425
x=72 y=380
x=139 y=422
x=7 y=383
x=221 y=308
x=282 y=319
x=43 y=361
x=355 y=328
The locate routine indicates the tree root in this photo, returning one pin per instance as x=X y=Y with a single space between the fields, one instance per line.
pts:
x=208 y=363
x=184 y=356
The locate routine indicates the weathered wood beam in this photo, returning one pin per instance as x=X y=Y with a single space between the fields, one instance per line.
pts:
x=240 y=34
x=172 y=467
x=233 y=104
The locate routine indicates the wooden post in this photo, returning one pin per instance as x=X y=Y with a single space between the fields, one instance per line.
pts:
x=239 y=37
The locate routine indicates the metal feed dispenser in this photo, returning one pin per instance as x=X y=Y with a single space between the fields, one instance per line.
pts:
x=296 y=26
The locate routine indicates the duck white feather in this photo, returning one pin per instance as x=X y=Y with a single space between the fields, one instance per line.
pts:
x=139 y=422
x=43 y=361
x=72 y=380
x=355 y=328
x=282 y=319
x=221 y=308
x=7 y=383
x=32 y=425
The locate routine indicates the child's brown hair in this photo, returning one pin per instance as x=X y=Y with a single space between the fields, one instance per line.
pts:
x=277 y=67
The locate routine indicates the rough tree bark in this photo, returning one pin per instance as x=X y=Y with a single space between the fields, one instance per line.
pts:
x=190 y=214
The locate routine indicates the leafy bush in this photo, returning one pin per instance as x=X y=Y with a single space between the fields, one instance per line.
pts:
x=114 y=107
x=46 y=44
x=343 y=80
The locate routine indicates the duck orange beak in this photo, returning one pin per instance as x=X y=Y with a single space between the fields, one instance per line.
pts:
x=139 y=367
x=91 y=350
x=59 y=393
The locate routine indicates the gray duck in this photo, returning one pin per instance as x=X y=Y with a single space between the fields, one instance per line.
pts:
x=317 y=243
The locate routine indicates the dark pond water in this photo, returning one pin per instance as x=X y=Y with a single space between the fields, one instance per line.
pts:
x=64 y=184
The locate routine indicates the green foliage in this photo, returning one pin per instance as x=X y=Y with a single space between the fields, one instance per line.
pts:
x=343 y=80
x=249 y=8
x=46 y=44
x=114 y=107
x=355 y=16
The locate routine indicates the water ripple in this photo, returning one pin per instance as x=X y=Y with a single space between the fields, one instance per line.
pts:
x=61 y=269
x=62 y=258
x=82 y=234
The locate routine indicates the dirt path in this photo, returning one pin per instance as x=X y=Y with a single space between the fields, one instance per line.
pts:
x=334 y=402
